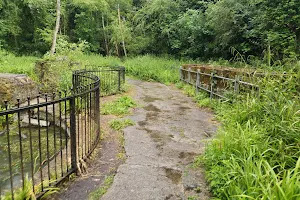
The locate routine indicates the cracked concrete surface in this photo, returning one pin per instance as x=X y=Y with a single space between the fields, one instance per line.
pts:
x=170 y=131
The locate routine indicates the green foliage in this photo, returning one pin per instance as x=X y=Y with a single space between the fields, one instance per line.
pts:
x=119 y=125
x=192 y=23
x=256 y=153
x=10 y=63
x=119 y=107
x=206 y=29
x=149 y=68
x=27 y=193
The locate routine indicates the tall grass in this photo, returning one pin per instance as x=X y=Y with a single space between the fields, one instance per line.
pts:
x=10 y=63
x=149 y=68
x=256 y=154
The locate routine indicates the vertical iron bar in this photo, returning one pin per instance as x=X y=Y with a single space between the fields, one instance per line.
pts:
x=60 y=136
x=78 y=126
x=54 y=140
x=30 y=141
x=73 y=134
x=90 y=117
x=81 y=125
x=97 y=110
x=20 y=144
x=66 y=132
x=85 y=118
x=47 y=136
x=40 y=145
x=9 y=151
x=124 y=71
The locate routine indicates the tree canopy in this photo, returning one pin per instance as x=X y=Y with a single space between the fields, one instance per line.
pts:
x=203 y=29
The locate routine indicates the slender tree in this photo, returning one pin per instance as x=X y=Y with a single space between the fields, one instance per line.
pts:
x=105 y=36
x=122 y=32
x=56 y=28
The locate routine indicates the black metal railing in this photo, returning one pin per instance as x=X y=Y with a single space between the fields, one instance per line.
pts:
x=47 y=138
x=217 y=85
x=112 y=78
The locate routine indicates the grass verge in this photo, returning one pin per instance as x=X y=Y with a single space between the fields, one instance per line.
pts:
x=256 y=153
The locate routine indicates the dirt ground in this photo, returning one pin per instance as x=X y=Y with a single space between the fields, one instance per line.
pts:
x=170 y=131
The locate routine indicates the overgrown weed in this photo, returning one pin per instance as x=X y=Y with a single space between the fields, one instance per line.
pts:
x=119 y=107
x=256 y=153
x=119 y=125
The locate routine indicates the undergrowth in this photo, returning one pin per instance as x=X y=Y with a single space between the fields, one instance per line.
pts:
x=119 y=107
x=10 y=63
x=119 y=125
x=256 y=153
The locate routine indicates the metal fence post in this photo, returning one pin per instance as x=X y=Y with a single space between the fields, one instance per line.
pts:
x=97 y=110
x=73 y=134
x=237 y=84
x=74 y=82
x=123 y=73
x=198 y=80
x=212 y=85
x=189 y=76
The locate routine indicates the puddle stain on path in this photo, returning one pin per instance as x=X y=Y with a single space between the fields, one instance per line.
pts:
x=170 y=131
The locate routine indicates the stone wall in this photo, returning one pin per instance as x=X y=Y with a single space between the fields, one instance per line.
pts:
x=14 y=86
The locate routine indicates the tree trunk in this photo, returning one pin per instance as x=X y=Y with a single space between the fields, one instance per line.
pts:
x=122 y=34
x=105 y=38
x=56 y=28
x=117 y=49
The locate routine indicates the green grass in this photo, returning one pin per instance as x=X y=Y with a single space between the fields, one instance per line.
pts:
x=119 y=125
x=10 y=63
x=27 y=192
x=256 y=152
x=97 y=194
x=148 y=68
x=119 y=107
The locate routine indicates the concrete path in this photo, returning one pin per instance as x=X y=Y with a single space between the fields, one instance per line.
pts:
x=170 y=131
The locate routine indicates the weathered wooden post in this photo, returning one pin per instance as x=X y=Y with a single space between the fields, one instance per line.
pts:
x=237 y=84
x=189 y=75
x=181 y=73
x=198 y=81
x=212 y=86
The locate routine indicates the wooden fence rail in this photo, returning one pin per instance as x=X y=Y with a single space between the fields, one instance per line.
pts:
x=216 y=85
